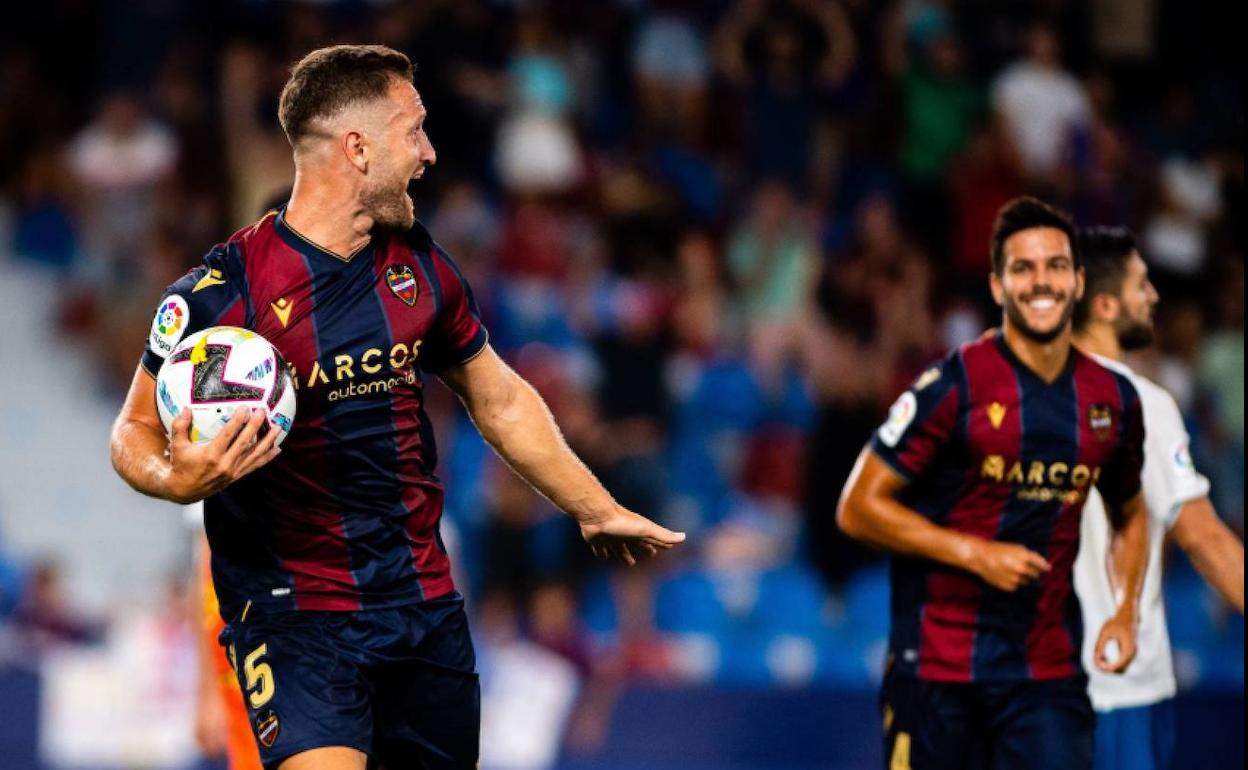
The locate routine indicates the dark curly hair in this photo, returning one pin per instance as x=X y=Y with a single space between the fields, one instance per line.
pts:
x=1024 y=213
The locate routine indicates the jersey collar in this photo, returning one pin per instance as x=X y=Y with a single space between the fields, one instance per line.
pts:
x=299 y=243
x=1025 y=370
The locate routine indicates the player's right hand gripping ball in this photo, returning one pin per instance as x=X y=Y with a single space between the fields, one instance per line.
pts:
x=221 y=369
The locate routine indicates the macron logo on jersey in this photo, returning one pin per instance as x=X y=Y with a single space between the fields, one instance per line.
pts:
x=213 y=278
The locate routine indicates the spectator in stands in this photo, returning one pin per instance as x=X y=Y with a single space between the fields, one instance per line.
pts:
x=120 y=163
x=671 y=71
x=772 y=258
x=940 y=108
x=44 y=619
x=1220 y=368
x=784 y=57
x=1042 y=105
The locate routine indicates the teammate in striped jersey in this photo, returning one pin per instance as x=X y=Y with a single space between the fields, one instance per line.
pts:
x=977 y=482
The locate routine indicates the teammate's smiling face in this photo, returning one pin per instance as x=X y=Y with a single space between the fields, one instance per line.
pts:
x=405 y=152
x=1039 y=283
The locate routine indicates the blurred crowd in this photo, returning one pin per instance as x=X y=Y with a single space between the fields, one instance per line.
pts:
x=719 y=237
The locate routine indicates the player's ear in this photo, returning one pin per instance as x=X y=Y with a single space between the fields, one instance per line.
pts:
x=1081 y=279
x=1105 y=307
x=355 y=147
x=998 y=289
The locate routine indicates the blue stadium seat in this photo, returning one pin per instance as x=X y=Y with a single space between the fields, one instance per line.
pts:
x=866 y=604
x=1187 y=612
x=743 y=659
x=598 y=605
x=687 y=601
x=792 y=600
x=848 y=659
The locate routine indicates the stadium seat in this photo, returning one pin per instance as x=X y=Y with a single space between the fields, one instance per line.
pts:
x=792 y=600
x=688 y=601
x=866 y=599
x=1187 y=612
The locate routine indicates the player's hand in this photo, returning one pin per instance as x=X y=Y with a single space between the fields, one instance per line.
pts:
x=622 y=532
x=1115 y=646
x=1007 y=566
x=200 y=470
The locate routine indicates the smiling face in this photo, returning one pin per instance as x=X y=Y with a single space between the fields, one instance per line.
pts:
x=1039 y=283
x=404 y=151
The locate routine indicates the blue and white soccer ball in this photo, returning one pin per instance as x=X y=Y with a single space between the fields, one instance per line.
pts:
x=218 y=370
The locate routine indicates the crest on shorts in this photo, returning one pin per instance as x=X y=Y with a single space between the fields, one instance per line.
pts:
x=402 y=281
x=1100 y=420
x=268 y=727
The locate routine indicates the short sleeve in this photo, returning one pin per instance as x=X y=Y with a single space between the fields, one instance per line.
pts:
x=1120 y=480
x=458 y=334
x=204 y=297
x=922 y=421
x=1170 y=476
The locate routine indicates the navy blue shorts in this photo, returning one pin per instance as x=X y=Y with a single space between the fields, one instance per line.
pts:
x=1046 y=725
x=398 y=684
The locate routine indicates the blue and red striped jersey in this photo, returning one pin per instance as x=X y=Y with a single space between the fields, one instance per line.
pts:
x=990 y=449
x=347 y=517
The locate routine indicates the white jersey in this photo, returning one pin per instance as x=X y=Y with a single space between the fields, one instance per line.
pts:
x=1169 y=480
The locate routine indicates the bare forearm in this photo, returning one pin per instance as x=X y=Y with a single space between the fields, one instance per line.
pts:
x=523 y=432
x=886 y=523
x=1213 y=548
x=1221 y=563
x=139 y=456
x=1131 y=553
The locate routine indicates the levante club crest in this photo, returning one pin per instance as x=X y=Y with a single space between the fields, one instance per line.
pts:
x=1100 y=420
x=403 y=283
x=268 y=727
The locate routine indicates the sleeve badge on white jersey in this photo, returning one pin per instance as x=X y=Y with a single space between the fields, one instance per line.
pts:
x=900 y=415
x=1182 y=458
x=172 y=318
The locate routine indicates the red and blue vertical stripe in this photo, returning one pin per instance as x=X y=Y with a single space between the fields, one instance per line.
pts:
x=948 y=625
x=348 y=516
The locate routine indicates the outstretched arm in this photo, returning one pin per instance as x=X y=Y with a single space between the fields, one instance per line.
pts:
x=1213 y=548
x=515 y=421
x=869 y=511
x=174 y=468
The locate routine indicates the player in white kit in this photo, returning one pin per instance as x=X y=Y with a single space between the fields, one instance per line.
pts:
x=1135 y=709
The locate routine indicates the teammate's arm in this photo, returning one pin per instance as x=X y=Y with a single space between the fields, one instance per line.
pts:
x=1129 y=556
x=175 y=468
x=1213 y=548
x=515 y=421
x=869 y=511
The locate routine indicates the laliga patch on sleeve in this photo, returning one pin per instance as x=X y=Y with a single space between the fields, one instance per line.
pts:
x=1182 y=458
x=900 y=415
x=169 y=325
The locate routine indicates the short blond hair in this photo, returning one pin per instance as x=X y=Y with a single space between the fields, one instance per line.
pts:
x=329 y=79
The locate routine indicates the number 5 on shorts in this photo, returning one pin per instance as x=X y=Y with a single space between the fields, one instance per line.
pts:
x=260 y=686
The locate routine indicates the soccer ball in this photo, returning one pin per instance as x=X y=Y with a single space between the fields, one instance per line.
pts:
x=218 y=370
